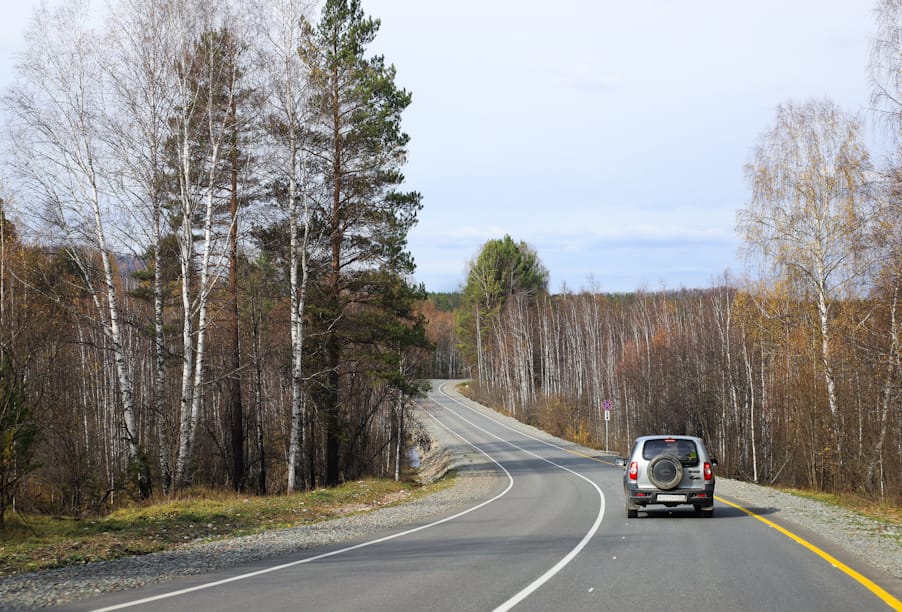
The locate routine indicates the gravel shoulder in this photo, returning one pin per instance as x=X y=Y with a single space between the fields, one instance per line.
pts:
x=873 y=542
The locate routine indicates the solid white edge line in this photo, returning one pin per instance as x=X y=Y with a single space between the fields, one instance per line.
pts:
x=283 y=566
x=541 y=580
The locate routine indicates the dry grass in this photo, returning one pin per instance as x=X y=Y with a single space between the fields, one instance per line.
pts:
x=882 y=512
x=42 y=542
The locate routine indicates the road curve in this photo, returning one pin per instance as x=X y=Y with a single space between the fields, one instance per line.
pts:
x=553 y=536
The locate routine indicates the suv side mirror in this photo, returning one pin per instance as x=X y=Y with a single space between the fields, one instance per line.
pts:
x=713 y=460
x=620 y=461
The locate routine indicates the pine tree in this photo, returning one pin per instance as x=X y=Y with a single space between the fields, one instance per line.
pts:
x=355 y=136
x=503 y=268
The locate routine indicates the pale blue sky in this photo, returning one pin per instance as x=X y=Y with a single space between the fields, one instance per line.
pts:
x=609 y=135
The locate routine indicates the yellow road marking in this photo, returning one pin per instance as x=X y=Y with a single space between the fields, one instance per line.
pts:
x=870 y=585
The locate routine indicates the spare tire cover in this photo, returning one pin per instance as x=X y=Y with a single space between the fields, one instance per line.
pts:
x=665 y=472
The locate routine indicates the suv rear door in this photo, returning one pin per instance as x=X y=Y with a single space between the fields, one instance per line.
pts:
x=685 y=451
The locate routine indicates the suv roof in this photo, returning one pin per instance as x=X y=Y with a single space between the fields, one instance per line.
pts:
x=667 y=437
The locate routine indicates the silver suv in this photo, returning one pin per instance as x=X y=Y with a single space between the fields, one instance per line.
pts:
x=668 y=470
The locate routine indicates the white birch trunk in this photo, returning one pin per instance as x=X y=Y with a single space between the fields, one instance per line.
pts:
x=196 y=303
x=280 y=28
x=125 y=382
x=891 y=377
x=186 y=255
x=159 y=376
x=297 y=475
x=823 y=311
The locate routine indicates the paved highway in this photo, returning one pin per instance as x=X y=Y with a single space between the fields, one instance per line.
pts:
x=553 y=536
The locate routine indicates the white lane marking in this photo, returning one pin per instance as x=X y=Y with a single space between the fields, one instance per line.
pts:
x=276 y=568
x=541 y=580
x=504 y=425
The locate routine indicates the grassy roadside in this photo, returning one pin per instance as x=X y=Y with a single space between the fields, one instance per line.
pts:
x=44 y=542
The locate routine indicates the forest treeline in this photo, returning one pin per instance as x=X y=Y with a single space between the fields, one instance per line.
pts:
x=205 y=280
x=204 y=275
x=742 y=370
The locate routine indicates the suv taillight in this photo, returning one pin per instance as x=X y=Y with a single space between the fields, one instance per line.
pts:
x=634 y=470
x=708 y=473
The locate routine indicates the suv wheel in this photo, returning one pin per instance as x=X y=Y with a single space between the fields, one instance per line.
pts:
x=665 y=472
x=707 y=513
x=631 y=512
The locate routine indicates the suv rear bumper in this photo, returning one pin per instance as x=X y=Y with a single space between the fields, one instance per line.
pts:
x=643 y=497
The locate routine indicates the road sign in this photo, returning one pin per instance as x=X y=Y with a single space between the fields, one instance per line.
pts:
x=607 y=415
x=607 y=405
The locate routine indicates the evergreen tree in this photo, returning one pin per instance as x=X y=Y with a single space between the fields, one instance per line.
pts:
x=502 y=268
x=356 y=139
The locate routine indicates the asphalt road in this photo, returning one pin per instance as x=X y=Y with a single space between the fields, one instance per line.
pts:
x=553 y=536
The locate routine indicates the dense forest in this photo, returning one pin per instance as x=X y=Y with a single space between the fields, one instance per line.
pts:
x=204 y=277
x=742 y=370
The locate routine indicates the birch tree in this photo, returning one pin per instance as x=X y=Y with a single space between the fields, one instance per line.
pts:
x=810 y=214
x=60 y=121
x=201 y=129
x=285 y=76
x=886 y=98
x=142 y=76
x=886 y=66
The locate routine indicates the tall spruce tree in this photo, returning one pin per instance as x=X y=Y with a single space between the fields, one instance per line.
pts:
x=356 y=139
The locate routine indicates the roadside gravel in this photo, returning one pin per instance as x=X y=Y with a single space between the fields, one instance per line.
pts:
x=875 y=543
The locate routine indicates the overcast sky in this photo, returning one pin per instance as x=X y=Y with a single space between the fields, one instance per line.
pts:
x=609 y=135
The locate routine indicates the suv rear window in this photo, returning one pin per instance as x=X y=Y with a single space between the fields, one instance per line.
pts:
x=684 y=450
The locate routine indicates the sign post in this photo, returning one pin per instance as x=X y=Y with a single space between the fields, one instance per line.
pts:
x=607 y=405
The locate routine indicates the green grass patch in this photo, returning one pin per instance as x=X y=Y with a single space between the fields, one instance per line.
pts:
x=889 y=514
x=42 y=542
